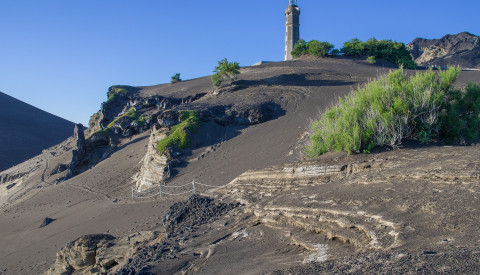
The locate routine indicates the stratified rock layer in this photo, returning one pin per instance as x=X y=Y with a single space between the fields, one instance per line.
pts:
x=156 y=167
x=461 y=49
x=98 y=254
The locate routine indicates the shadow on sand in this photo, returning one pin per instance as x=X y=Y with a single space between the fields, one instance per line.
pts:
x=293 y=80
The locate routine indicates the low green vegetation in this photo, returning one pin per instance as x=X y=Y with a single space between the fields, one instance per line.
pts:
x=371 y=59
x=112 y=94
x=395 y=108
x=392 y=51
x=132 y=114
x=461 y=119
x=313 y=48
x=103 y=132
x=179 y=134
x=175 y=78
x=225 y=72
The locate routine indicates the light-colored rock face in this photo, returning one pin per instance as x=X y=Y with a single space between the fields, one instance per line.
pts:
x=98 y=254
x=410 y=199
x=430 y=53
x=94 y=123
x=460 y=49
x=156 y=167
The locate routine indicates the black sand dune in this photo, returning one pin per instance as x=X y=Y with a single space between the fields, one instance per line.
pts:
x=26 y=130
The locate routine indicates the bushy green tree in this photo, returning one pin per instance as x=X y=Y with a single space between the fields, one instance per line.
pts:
x=335 y=52
x=175 y=78
x=319 y=49
x=300 y=48
x=225 y=72
x=313 y=48
x=461 y=115
x=389 y=110
x=354 y=47
x=392 y=51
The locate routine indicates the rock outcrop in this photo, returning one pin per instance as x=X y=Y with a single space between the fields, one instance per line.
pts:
x=79 y=152
x=156 y=166
x=98 y=254
x=461 y=49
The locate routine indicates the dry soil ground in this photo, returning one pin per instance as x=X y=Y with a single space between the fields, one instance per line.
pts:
x=99 y=200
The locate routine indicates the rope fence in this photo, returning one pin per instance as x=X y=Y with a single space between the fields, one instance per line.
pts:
x=160 y=190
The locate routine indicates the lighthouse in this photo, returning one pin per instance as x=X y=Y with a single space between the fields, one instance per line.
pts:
x=292 y=33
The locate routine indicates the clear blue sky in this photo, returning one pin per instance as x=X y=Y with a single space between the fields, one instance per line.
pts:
x=62 y=55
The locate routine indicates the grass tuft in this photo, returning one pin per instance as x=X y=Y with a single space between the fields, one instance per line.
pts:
x=384 y=112
x=179 y=134
x=112 y=95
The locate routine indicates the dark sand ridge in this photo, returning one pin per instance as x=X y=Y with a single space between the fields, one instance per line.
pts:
x=25 y=131
x=98 y=200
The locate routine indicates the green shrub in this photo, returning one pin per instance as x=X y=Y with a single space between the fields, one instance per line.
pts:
x=354 y=47
x=461 y=116
x=313 y=48
x=392 y=51
x=179 y=134
x=335 y=52
x=319 y=49
x=384 y=112
x=103 y=132
x=225 y=72
x=371 y=59
x=300 y=48
x=111 y=95
x=111 y=98
x=132 y=114
x=175 y=78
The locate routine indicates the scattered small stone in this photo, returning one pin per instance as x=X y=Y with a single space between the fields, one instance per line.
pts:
x=197 y=210
x=47 y=221
x=11 y=185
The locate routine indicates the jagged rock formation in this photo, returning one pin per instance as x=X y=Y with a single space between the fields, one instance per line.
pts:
x=98 y=254
x=79 y=153
x=156 y=166
x=461 y=49
x=112 y=116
